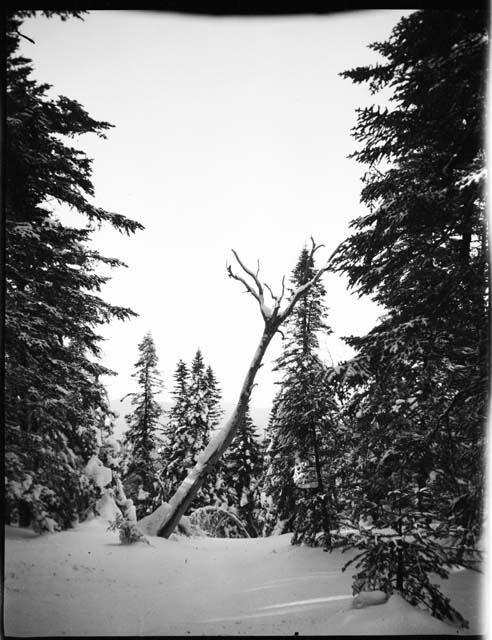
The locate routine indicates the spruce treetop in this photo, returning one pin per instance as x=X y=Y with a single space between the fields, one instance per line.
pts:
x=181 y=378
x=148 y=379
x=197 y=367
x=308 y=317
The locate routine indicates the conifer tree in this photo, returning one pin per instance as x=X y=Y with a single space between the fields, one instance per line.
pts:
x=242 y=466
x=198 y=404
x=300 y=424
x=420 y=377
x=213 y=398
x=141 y=475
x=52 y=307
x=179 y=411
x=277 y=498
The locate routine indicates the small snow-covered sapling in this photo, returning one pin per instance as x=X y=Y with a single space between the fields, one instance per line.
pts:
x=129 y=531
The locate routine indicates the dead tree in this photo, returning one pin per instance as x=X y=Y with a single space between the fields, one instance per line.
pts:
x=273 y=317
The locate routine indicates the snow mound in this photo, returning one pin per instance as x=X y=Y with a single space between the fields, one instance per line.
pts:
x=396 y=613
x=368 y=598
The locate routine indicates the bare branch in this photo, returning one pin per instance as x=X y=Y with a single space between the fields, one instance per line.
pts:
x=266 y=312
x=315 y=247
x=270 y=291
x=276 y=299
x=250 y=273
x=249 y=288
x=24 y=36
x=283 y=290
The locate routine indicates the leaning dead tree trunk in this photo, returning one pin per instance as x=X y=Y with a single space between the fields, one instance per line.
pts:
x=273 y=317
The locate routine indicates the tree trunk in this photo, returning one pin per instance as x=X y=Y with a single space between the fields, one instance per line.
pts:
x=321 y=489
x=188 y=489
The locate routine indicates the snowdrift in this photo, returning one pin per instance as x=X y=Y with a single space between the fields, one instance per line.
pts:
x=84 y=582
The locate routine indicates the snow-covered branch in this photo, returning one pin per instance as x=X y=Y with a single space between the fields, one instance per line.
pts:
x=257 y=293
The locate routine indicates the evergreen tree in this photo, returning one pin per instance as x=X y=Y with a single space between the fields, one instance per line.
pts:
x=242 y=466
x=140 y=478
x=277 y=496
x=299 y=431
x=213 y=398
x=198 y=405
x=420 y=377
x=52 y=307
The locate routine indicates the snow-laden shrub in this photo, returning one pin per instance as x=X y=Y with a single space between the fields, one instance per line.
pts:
x=129 y=531
x=98 y=473
x=404 y=560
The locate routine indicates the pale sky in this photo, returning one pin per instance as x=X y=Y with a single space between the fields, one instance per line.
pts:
x=229 y=133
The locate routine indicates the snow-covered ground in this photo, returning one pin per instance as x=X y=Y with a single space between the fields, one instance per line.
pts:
x=84 y=582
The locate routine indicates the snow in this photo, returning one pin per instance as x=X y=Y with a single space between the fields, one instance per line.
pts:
x=111 y=442
x=107 y=507
x=369 y=598
x=142 y=495
x=84 y=582
x=95 y=470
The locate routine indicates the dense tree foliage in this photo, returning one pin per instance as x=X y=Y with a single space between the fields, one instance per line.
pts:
x=53 y=398
x=141 y=442
x=194 y=415
x=420 y=376
x=242 y=466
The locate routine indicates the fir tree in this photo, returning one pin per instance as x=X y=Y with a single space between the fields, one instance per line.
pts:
x=198 y=404
x=141 y=474
x=213 y=398
x=420 y=377
x=52 y=306
x=301 y=421
x=241 y=469
x=176 y=450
